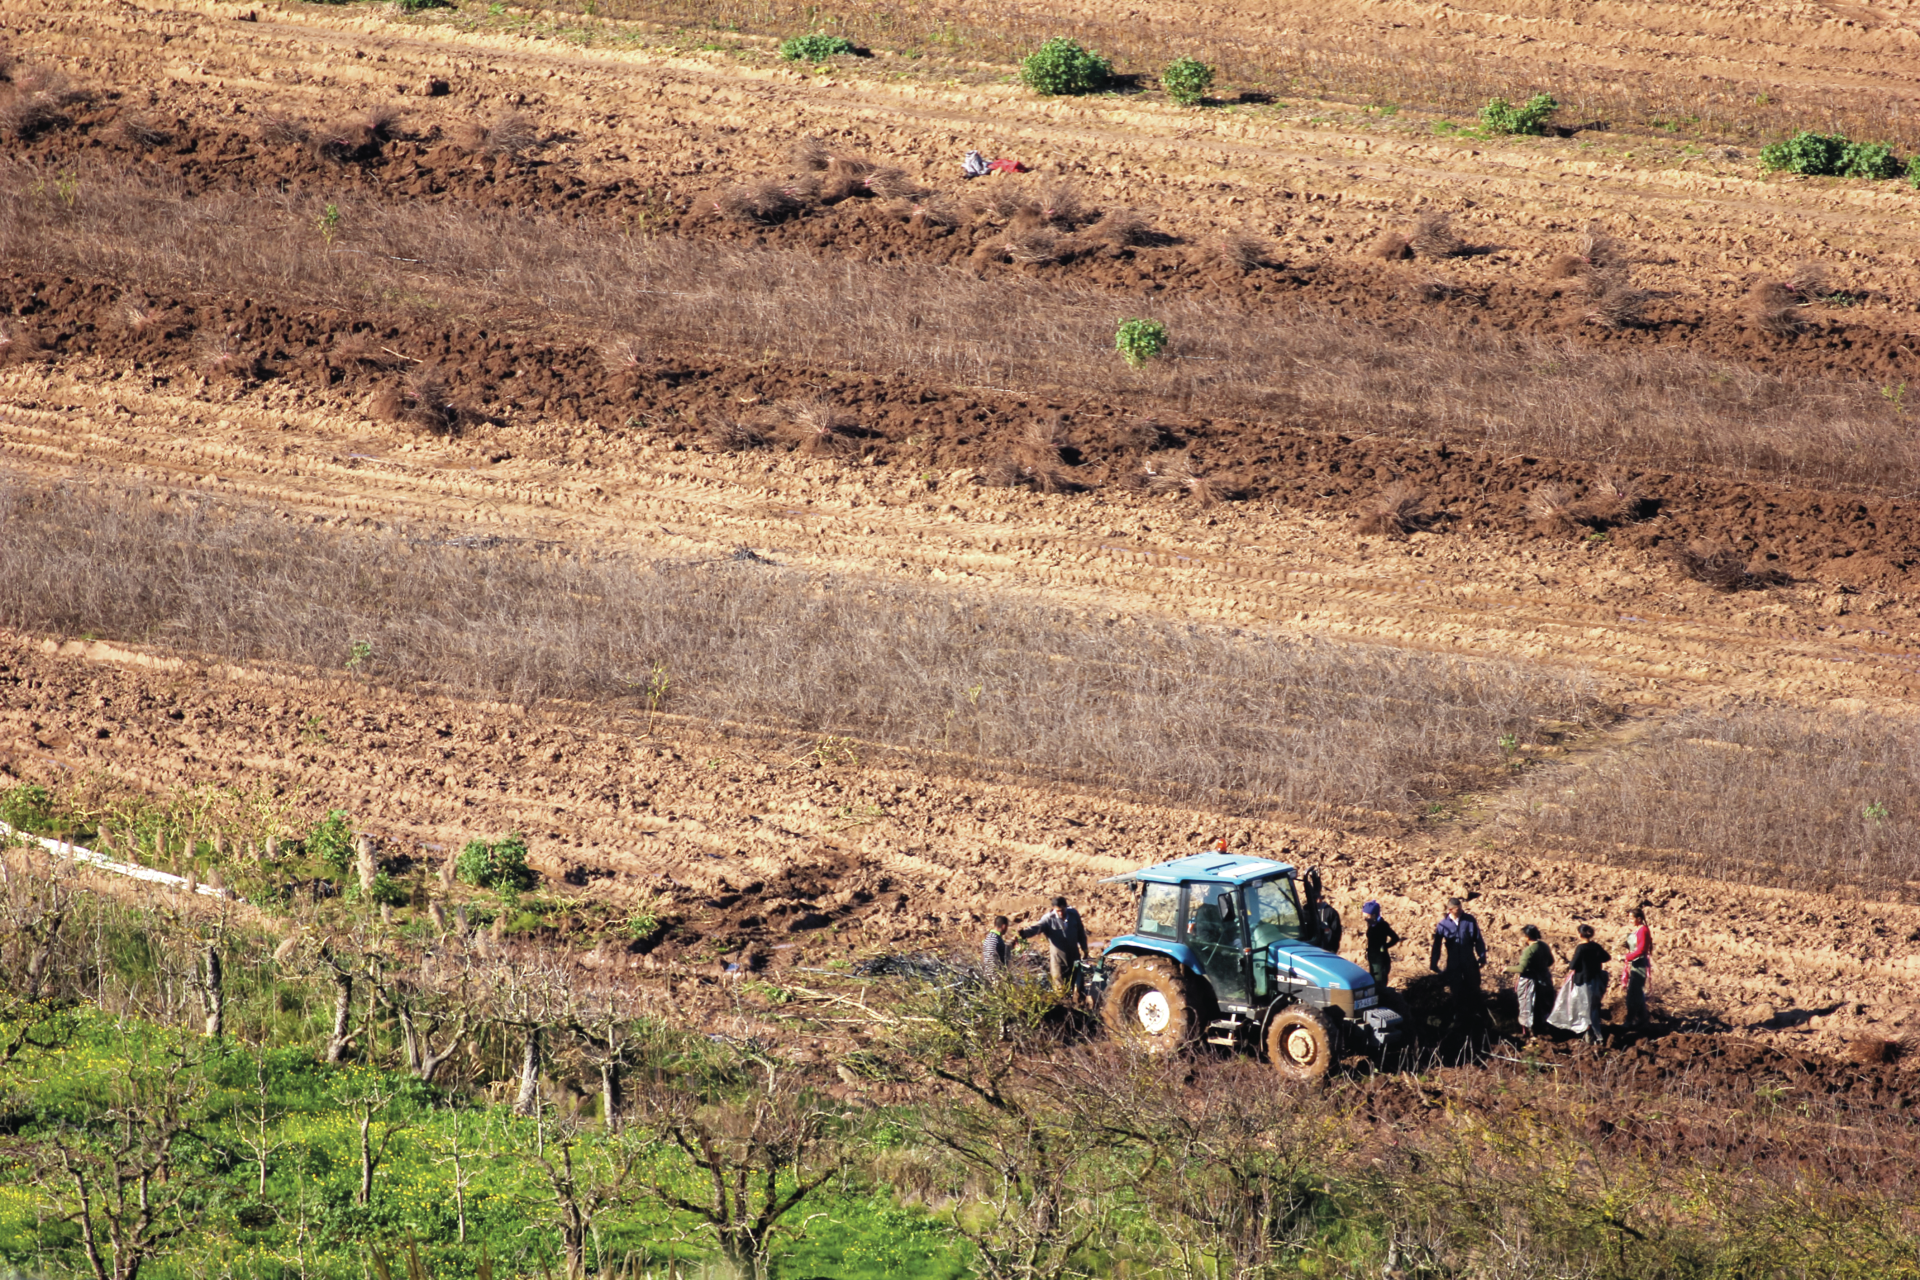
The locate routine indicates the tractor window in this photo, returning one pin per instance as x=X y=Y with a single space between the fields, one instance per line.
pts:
x=1159 y=910
x=1276 y=915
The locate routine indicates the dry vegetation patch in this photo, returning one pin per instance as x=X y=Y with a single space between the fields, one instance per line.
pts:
x=1759 y=795
x=1249 y=720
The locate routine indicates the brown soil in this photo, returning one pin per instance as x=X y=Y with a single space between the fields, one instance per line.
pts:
x=753 y=851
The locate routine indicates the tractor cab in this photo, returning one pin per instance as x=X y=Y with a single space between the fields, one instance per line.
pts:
x=1223 y=947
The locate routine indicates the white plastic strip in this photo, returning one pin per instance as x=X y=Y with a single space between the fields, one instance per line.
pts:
x=67 y=849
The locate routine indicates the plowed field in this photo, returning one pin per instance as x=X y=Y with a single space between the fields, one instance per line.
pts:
x=223 y=274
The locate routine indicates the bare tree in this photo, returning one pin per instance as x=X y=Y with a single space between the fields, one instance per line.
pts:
x=252 y=1119
x=584 y=1179
x=601 y=1017
x=120 y=1180
x=368 y=1097
x=759 y=1157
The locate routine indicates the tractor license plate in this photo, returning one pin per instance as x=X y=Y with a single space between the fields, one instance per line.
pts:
x=1366 y=1001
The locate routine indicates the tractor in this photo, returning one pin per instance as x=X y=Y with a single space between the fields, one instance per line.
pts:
x=1224 y=950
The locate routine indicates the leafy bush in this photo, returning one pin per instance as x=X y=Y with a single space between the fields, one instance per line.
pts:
x=385 y=891
x=815 y=48
x=1873 y=160
x=500 y=865
x=1913 y=173
x=1501 y=116
x=1812 y=154
x=330 y=843
x=1187 y=80
x=1139 y=341
x=27 y=807
x=1061 y=66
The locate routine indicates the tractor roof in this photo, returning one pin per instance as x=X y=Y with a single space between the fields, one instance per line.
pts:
x=1230 y=868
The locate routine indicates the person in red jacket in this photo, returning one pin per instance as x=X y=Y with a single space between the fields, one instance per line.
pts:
x=1637 y=969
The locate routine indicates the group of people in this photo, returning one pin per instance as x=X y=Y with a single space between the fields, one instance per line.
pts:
x=1458 y=954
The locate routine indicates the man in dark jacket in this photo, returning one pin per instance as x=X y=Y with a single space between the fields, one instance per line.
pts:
x=1066 y=941
x=1458 y=937
x=1381 y=939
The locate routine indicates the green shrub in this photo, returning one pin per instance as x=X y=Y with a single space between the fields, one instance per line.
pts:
x=817 y=47
x=1061 y=66
x=1873 y=160
x=385 y=891
x=1501 y=116
x=1812 y=154
x=1187 y=80
x=1913 y=173
x=500 y=865
x=1139 y=341
x=28 y=808
x=330 y=843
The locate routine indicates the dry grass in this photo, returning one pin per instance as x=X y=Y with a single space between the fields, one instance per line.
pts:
x=1764 y=795
x=34 y=100
x=1775 y=307
x=1724 y=569
x=1243 y=251
x=1182 y=474
x=1396 y=511
x=1003 y=682
x=1613 y=301
x=1433 y=236
x=508 y=134
x=1475 y=390
x=818 y=428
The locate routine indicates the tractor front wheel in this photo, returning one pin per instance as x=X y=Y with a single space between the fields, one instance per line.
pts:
x=1300 y=1043
x=1149 y=1005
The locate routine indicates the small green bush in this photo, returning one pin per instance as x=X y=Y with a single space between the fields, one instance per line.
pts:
x=500 y=865
x=1139 y=341
x=1501 y=116
x=1913 y=173
x=1873 y=160
x=385 y=891
x=817 y=47
x=1187 y=80
x=1061 y=66
x=28 y=808
x=1812 y=154
x=330 y=843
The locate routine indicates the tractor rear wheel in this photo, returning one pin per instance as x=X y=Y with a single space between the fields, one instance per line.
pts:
x=1300 y=1043
x=1150 y=1006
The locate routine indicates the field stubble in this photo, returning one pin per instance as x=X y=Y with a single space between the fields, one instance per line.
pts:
x=1505 y=392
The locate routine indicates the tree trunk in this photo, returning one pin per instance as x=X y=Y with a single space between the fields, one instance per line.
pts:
x=213 y=993
x=366 y=1160
x=610 y=1094
x=529 y=1098
x=42 y=961
x=363 y=862
x=342 y=1016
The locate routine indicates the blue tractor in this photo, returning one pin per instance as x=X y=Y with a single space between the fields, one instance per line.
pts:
x=1224 y=950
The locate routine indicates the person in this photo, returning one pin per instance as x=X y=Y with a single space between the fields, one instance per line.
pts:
x=1381 y=939
x=1636 y=970
x=1458 y=937
x=1581 y=1006
x=1331 y=930
x=1066 y=941
x=1534 y=983
x=996 y=953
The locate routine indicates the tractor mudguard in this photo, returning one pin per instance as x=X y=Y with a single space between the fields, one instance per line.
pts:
x=1178 y=952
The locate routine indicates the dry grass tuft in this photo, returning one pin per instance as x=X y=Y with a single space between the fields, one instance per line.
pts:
x=1398 y=510
x=141 y=133
x=1180 y=473
x=846 y=177
x=810 y=155
x=1613 y=301
x=1060 y=204
x=1774 y=307
x=1609 y=501
x=1550 y=507
x=1390 y=246
x=1243 y=251
x=1145 y=434
x=1811 y=279
x=1034 y=246
x=1724 y=569
x=225 y=357
x=818 y=428
x=1433 y=237
x=731 y=435
x=938 y=212
x=1116 y=229
x=509 y=134
x=762 y=204
x=36 y=100
x=284 y=131
x=1603 y=252
x=423 y=400
x=1434 y=288
x=1567 y=266
x=894 y=184
x=1015 y=471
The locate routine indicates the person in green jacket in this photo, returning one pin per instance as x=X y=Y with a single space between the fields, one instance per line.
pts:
x=1534 y=983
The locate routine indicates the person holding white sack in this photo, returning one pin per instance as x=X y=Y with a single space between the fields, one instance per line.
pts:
x=1583 y=995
